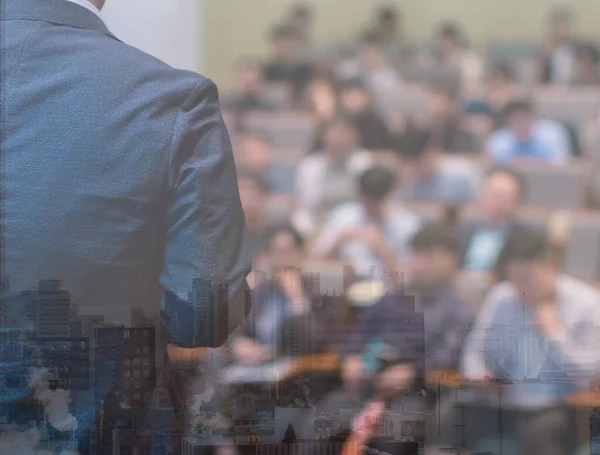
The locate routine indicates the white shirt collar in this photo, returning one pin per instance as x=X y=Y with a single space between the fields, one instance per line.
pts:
x=89 y=6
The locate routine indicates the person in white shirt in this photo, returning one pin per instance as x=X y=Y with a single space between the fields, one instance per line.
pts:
x=537 y=331
x=371 y=234
x=327 y=178
x=528 y=137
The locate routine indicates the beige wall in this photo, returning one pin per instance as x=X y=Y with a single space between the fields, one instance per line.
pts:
x=237 y=28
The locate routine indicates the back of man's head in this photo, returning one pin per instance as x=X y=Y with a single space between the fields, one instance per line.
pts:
x=524 y=243
x=377 y=183
x=433 y=236
x=521 y=106
x=413 y=144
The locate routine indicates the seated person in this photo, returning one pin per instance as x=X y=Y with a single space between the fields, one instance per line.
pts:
x=254 y=194
x=371 y=66
x=552 y=353
x=452 y=52
x=527 y=137
x=443 y=119
x=328 y=178
x=558 y=62
x=587 y=65
x=248 y=95
x=481 y=241
x=322 y=98
x=371 y=234
x=254 y=155
x=274 y=301
x=288 y=64
x=427 y=177
x=431 y=267
x=357 y=104
x=500 y=88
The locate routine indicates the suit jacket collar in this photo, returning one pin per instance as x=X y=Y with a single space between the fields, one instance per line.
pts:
x=58 y=12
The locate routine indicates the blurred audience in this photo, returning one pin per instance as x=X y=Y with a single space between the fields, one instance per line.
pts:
x=482 y=240
x=322 y=97
x=388 y=29
x=452 y=53
x=501 y=88
x=288 y=64
x=301 y=20
x=372 y=234
x=372 y=66
x=560 y=50
x=426 y=177
x=249 y=94
x=288 y=296
x=559 y=318
x=254 y=155
x=432 y=268
x=357 y=103
x=527 y=137
x=444 y=120
x=587 y=65
x=328 y=178
x=254 y=194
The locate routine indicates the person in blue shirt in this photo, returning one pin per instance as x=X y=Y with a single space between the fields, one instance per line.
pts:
x=427 y=177
x=528 y=137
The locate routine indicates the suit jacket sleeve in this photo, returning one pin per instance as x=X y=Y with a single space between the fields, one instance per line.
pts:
x=207 y=249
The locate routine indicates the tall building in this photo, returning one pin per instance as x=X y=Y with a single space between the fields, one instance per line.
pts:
x=49 y=309
x=68 y=359
x=125 y=375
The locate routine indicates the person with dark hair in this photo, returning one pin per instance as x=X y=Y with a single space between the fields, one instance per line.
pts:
x=443 y=119
x=357 y=102
x=556 y=315
x=501 y=90
x=285 y=296
x=371 y=66
x=254 y=154
x=249 y=95
x=587 y=65
x=254 y=193
x=500 y=199
x=528 y=137
x=431 y=269
x=558 y=59
x=288 y=64
x=425 y=174
x=327 y=178
x=453 y=53
x=371 y=234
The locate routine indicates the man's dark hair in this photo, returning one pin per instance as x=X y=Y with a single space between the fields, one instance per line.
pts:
x=283 y=32
x=561 y=14
x=371 y=39
x=285 y=228
x=524 y=243
x=302 y=11
x=504 y=69
x=523 y=106
x=451 y=31
x=446 y=87
x=377 y=183
x=339 y=119
x=257 y=179
x=513 y=174
x=435 y=235
x=387 y=14
x=413 y=144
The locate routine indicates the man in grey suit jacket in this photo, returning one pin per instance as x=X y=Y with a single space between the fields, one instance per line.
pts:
x=118 y=184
